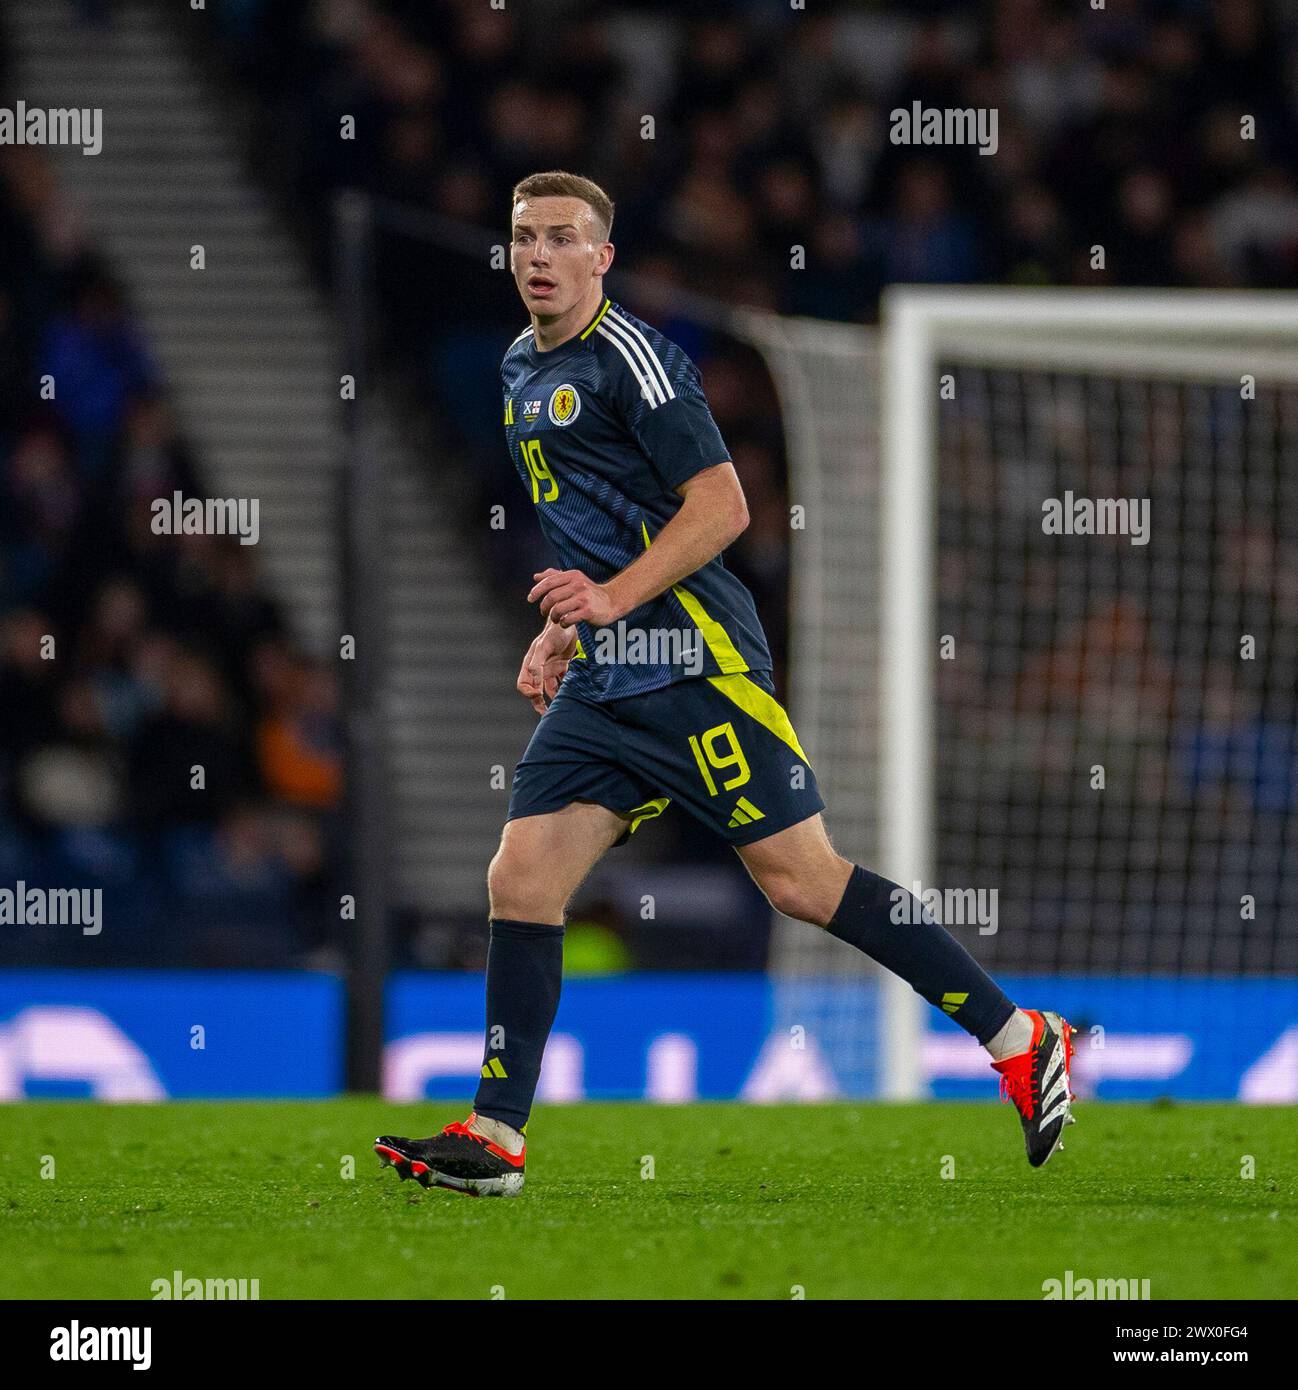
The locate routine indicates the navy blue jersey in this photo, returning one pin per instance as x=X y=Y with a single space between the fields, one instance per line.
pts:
x=602 y=430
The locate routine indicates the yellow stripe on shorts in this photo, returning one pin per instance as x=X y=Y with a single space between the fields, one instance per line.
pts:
x=766 y=709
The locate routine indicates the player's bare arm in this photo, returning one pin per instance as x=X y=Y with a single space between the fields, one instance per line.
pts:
x=712 y=515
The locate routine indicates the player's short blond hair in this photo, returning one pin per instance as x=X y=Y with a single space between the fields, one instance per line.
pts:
x=558 y=183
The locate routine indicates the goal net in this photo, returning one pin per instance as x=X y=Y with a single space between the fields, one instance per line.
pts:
x=1045 y=617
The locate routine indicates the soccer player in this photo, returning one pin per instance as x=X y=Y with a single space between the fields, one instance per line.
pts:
x=651 y=675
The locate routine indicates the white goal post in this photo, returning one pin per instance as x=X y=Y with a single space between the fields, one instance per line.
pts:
x=1187 y=335
x=865 y=434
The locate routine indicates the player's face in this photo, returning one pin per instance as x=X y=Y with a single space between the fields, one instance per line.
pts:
x=555 y=253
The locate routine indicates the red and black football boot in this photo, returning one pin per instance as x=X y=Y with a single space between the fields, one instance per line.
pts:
x=1037 y=1081
x=458 y=1159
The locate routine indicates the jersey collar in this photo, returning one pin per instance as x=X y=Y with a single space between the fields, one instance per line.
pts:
x=573 y=343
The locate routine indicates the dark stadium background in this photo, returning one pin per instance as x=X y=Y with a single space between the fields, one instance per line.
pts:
x=1117 y=125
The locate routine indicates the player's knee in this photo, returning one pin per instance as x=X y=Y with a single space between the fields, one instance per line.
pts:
x=793 y=896
x=807 y=894
x=513 y=892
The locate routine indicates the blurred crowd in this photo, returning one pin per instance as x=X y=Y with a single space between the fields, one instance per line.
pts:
x=1119 y=125
x=163 y=739
x=732 y=136
x=1163 y=131
x=747 y=147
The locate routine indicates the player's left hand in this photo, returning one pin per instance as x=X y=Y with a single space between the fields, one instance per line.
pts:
x=569 y=597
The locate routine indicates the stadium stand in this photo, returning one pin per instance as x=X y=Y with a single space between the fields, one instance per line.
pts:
x=168 y=652
x=766 y=135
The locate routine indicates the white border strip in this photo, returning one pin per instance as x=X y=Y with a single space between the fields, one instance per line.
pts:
x=919 y=323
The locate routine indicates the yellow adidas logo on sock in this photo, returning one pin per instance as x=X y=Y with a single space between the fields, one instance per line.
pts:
x=494 y=1068
x=951 y=1002
x=745 y=813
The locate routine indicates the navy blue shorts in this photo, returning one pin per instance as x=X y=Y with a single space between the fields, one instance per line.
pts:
x=720 y=746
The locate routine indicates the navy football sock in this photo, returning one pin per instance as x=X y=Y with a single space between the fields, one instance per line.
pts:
x=524 y=972
x=927 y=957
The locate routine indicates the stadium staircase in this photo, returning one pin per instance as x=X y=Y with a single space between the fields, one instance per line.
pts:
x=250 y=350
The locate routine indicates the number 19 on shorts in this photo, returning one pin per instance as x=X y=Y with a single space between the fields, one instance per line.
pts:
x=718 y=750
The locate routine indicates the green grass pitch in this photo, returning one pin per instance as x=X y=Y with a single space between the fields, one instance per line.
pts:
x=840 y=1201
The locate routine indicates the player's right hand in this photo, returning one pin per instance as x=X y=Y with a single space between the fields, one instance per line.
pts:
x=545 y=664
